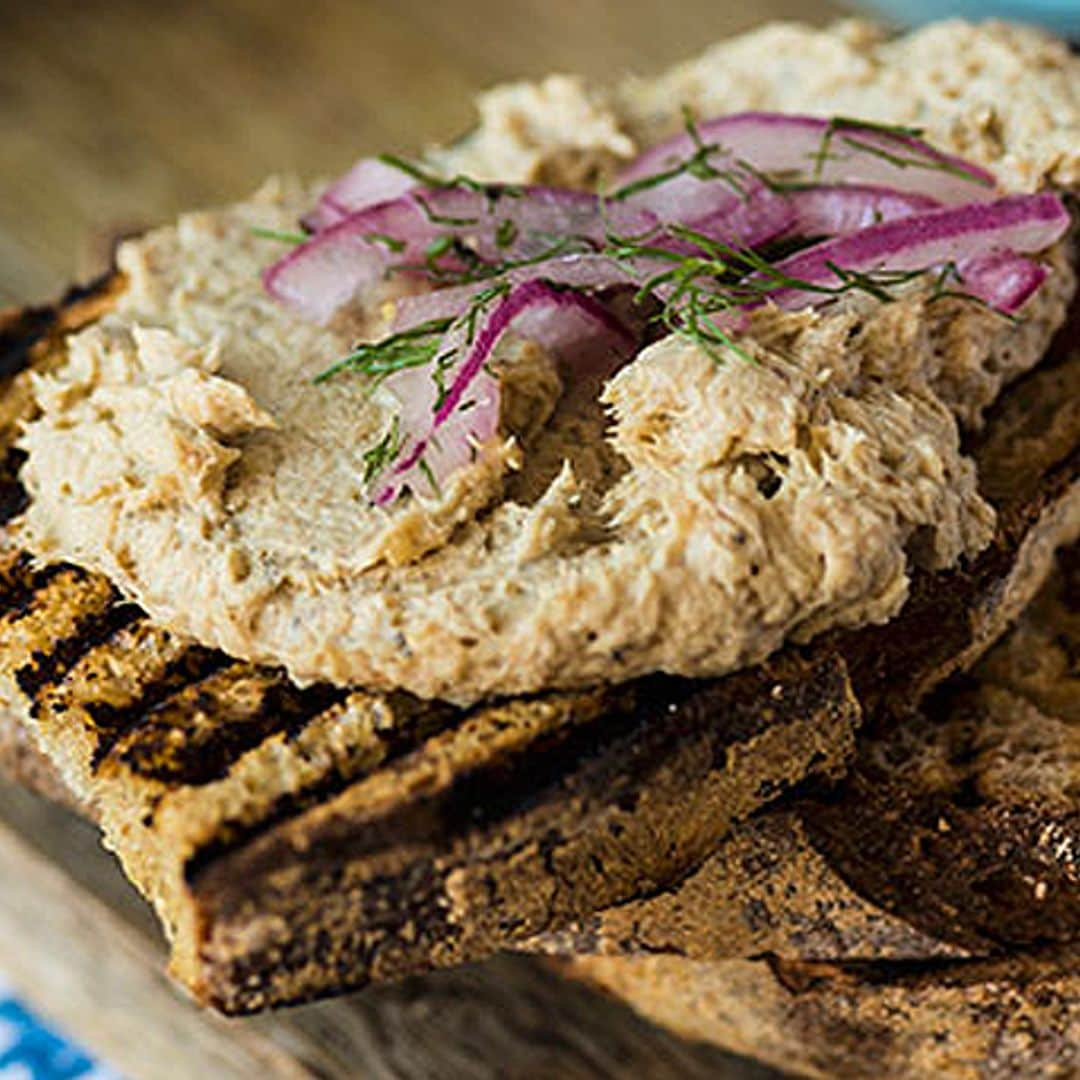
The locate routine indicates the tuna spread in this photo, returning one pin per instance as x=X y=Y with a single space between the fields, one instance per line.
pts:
x=687 y=514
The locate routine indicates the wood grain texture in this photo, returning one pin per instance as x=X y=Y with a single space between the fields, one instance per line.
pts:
x=76 y=940
x=119 y=114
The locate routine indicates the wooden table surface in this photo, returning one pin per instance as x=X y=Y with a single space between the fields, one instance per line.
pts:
x=115 y=115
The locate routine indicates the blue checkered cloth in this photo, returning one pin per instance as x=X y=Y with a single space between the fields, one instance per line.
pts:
x=30 y=1050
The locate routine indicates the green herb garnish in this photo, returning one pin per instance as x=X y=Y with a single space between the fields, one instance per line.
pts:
x=697 y=165
x=410 y=348
x=429 y=476
x=281 y=235
x=384 y=452
x=903 y=157
x=505 y=233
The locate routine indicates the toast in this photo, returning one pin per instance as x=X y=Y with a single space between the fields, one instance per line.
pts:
x=303 y=842
x=955 y=835
x=923 y=918
x=847 y=987
x=990 y=1018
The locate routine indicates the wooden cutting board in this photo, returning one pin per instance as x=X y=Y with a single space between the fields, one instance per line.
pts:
x=84 y=951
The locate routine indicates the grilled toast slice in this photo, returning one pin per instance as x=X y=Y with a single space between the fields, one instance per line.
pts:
x=955 y=835
x=303 y=842
x=923 y=918
x=841 y=986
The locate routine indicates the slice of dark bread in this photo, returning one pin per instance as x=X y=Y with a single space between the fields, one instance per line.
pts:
x=921 y=919
x=956 y=833
x=911 y=1006
x=299 y=843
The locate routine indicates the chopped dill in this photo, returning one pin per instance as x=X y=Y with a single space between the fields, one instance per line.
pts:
x=701 y=290
x=410 y=348
x=416 y=347
x=438 y=247
x=493 y=192
x=505 y=233
x=391 y=243
x=696 y=165
x=473 y=268
x=281 y=235
x=384 y=452
x=698 y=293
x=899 y=130
x=941 y=291
x=444 y=219
x=439 y=368
x=904 y=156
x=417 y=172
x=429 y=476
x=471 y=315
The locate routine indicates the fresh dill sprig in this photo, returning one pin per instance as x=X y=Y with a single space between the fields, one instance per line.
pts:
x=418 y=172
x=697 y=165
x=384 y=452
x=506 y=233
x=465 y=261
x=846 y=129
x=703 y=289
x=444 y=219
x=414 y=347
x=698 y=292
x=900 y=130
x=470 y=317
x=391 y=243
x=429 y=476
x=281 y=235
x=427 y=178
x=474 y=268
x=941 y=290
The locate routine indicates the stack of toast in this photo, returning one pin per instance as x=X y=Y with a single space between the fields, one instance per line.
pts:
x=860 y=857
x=919 y=919
x=908 y=900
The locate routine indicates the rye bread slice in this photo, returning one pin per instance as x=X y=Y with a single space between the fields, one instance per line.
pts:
x=937 y=1016
x=956 y=834
x=922 y=920
x=298 y=843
